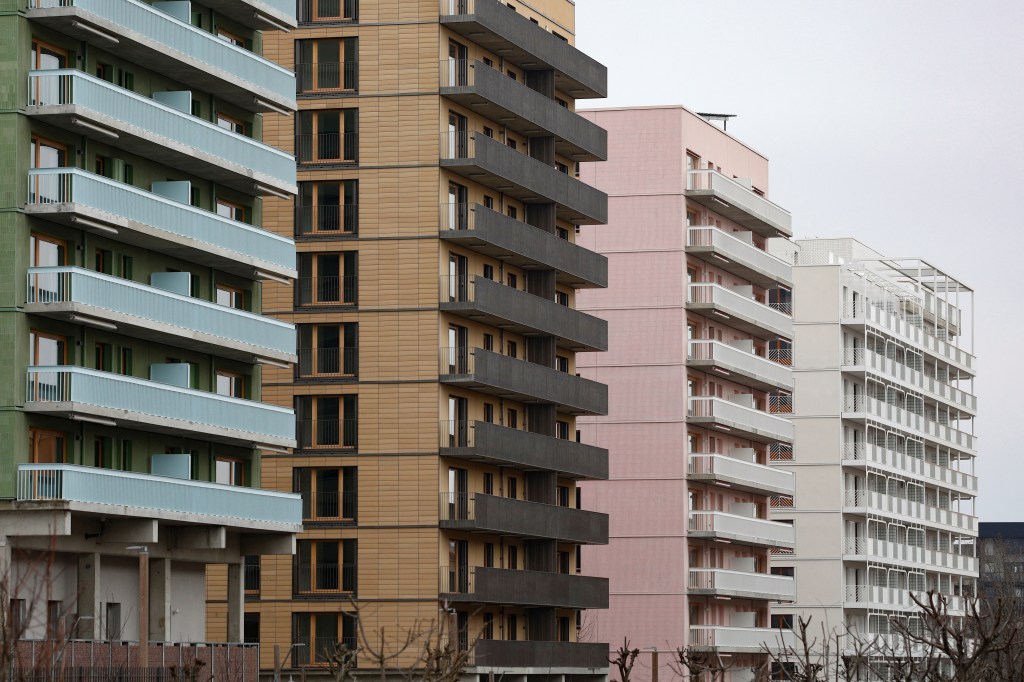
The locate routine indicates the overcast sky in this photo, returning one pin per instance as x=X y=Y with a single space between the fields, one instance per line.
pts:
x=899 y=122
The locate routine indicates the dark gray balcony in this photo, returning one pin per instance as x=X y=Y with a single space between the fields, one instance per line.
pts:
x=522 y=110
x=525 y=246
x=479 y=585
x=494 y=444
x=480 y=513
x=549 y=656
x=525 y=382
x=522 y=177
x=495 y=27
x=519 y=312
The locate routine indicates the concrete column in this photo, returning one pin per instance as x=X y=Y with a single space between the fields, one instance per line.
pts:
x=144 y=637
x=89 y=621
x=160 y=600
x=236 y=601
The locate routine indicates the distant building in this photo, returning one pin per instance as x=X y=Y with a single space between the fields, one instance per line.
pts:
x=1001 y=549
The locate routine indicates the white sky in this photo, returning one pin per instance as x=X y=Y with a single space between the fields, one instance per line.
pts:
x=899 y=122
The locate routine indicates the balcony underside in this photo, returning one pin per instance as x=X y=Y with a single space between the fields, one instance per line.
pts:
x=767 y=328
x=177 y=154
x=741 y=429
x=503 y=516
x=178 y=66
x=728 y=206
x=534 y=589
x=264 y=16
x=748 y=373
x=762 y=272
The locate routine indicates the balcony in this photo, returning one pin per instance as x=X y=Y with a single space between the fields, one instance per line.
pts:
x=743 y=530
x=863 y=360
x=75 y=100
x=740 y=640
x=738 y=256
x=875 y=598
x=553 y=656
x=65 y=391
x=498 y=29
x=740 y=474
x=741 y=584
x=859 y=407
x=479 y=585
x=310 y=581
x=882 y=551
x=484 y=300
x=740 y=311
x=480 y=513
x=524 y=246
x=122 y=493
x=739 y=420
x=83 y=200
x=173 y=47
x=485 y=442
x=523 y=381
x=862 y=454
x=736 y=201
x=153 y=314
x=868 y=501
x=739 y=365
x=522 y=177
x=521 y=109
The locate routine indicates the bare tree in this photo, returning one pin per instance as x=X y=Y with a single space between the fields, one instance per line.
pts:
x=624 y=660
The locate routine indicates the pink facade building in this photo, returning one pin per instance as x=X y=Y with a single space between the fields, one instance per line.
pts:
x=700 y=385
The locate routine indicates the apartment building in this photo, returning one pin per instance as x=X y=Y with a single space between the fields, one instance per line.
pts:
x=435 y=392
x=698 y=369
x=132 y=263
x=884 y=454
x=1001 y=554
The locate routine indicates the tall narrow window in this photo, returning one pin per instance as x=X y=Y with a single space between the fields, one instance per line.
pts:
x=327 y=137
x=327 y=279
x=326 y=65
x=326 y=422
x=328 y=350
x=327 y=208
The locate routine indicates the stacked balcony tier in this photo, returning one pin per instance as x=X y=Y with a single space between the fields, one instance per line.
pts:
x=492 y=94
x=524 y=246
x=738 y=365
x=83 y=200
x=77 y=392
x=739 y=311
x=861 y=360
x=500 y=654
x=75 y=100
x=519 y=41
x=121 y=493
x=740 y=474
x=743 y=530
x=863 y=408
x=497 y=515
x=740 y=639
x=485 y=160
x=526 y=382
x=484 y=300
x=908 y=556
x=738 y=256
x=739 y=420
x=893 y=507
x=494 y=444
x=154 y=314
x=172 y=46
x=876 y=598
x=479 y=585
x=718 y=582
x=739 y=203
x=874 y=457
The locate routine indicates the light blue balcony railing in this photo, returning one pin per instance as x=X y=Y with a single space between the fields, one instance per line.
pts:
x=148 y=402
x=147 y=303
x=180 y=40
x=175 y=220
x=145 y=117
x=145 y=491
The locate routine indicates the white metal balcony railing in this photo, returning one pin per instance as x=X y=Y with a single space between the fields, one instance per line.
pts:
x=916 y=466
x=914 y=378
x=740 y=418
x=741 y=639
x=750 y=529
x=884 y=550
x=178 y=221
x=148 y=492
x=778 y=322
x=903 y=418
x=892 y=598
x=909 y=333
x=152 y=119
x=152 y=305
x=738 y=196
x=739 y=252
x=740 y=361
x=757 y=585
x=909 y=509
x=141 y=400
x=749 y=474
x=186 y=42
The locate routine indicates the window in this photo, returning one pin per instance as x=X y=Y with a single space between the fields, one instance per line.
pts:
x=325 y=566
x=489 y=132
x=487 y=632
x=229 y=37
x=513 y=558
x=562 y=298
x=489 y=555
x=251 y=628
x=563 y=628
x=327 y=208
x=125 y=366
x=104 y=357
x=562 y=495
x=788 y=571
x=126 y=456
x=229 y=471
x=46 y=350
x=231 y=384
x=512 y=349
x=47 y=447
x=328 y=10
x=511 y=210
x=251 y=574
x=126 y=267
x=327 y=279
x=126 y=80
x=488 y=484
x=319 y=634
x=513 y=419
x=229 y=296
x=47 y=251
x=488 y=271
x=513 y=627
x=561 y=168
x=328 y=350
x=46 y=57
x=783 y=621
x=104 y=261
x=489 y=342
x=105 y=72
x=326 y=65
x=489 y=413
x=231 y=123
x=512 y=280
x=102 y=452
x=328 y=494
x=511 y=489
x=54 y=619
x=327 y=137
x=563 y=563
x=562 y=233
x=19 y=618
x=112 y=621
x=489 y=202
x=326 y=422
x=47 y=153
x=562 y=363
x=488 y=62
x=231 y=210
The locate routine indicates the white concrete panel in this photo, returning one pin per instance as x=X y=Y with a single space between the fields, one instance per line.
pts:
x=188 y=602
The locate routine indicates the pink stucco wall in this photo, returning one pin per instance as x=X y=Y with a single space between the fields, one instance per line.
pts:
x=645 y=368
